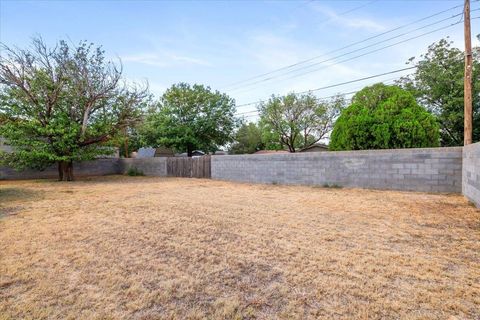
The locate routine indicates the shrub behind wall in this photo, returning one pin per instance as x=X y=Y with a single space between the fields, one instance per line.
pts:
x=384 y=117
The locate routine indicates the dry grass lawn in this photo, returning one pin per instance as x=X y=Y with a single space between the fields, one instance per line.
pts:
x=157 y=248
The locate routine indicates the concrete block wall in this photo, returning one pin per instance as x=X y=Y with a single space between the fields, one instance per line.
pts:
x=149 y=166
x=429 y=169
x=471 y=173
x=97 y=167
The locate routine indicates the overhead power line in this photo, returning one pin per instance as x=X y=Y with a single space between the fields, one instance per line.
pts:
x=351 y=52
x=361 y=79
x=349 y=11
x=339 y=94
x=356 y=80
x=358 y=7
x=255 y=113
x=345 y=47
x=336 y=84
x=366 y=53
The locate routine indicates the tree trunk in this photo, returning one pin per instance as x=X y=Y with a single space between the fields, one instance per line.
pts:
x=189 y=151
x=70 y=171
x=65 y=171
x=291 y=144
x=60 y=170
x=126 y=144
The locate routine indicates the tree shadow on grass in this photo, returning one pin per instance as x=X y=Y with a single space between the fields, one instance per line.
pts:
x=9 y=197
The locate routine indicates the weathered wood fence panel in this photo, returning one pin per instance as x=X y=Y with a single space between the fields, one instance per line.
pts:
x=199 y=167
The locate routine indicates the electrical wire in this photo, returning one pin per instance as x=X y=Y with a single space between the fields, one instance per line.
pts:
x=347 y=46
x=340 y=94
x=337 y=84
x=354 y=51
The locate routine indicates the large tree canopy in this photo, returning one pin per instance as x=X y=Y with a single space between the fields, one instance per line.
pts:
x=437 y=84
x=299 y=121
x=248 y=139
x=384 y=117
x=191 y=117
x=62 y=105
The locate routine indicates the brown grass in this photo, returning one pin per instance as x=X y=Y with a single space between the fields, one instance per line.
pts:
x=153 y=248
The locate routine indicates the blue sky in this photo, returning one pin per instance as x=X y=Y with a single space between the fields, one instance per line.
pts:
x=218 y=43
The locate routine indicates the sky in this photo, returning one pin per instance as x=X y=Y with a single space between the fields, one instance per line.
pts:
x=222 y=43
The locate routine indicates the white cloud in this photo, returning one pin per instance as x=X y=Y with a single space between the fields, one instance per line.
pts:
x=271 y=51
x=163 y=59
x=357 y=23
x=148 y=59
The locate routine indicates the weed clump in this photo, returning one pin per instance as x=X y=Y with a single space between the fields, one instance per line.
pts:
x=134 y=172
x=333 y=185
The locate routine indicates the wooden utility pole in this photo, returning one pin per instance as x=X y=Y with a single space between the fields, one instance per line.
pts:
x=467 y=82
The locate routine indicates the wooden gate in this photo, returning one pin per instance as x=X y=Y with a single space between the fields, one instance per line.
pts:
x=198 y=167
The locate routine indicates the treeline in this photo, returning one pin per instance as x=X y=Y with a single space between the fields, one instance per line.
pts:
x=68 y=103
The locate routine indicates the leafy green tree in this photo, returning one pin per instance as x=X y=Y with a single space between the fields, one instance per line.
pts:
x=270 y=138
x=62 y=105
x=129 y=141
x=437 y=84
x=384 y=117
x=190 y=118
x=299 y=121
x=248 y=139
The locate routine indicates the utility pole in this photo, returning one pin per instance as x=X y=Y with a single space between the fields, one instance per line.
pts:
x=467 y=82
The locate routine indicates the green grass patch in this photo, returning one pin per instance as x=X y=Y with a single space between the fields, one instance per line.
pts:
x=134 y=172
x=333 y=185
